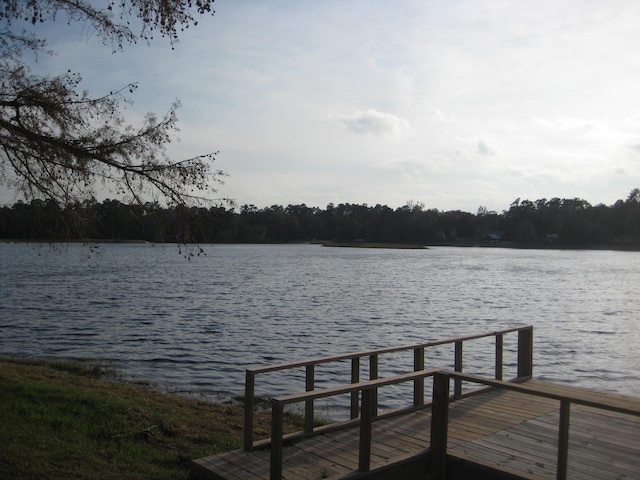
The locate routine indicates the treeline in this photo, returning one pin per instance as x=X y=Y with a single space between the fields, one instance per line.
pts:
x=561 y=222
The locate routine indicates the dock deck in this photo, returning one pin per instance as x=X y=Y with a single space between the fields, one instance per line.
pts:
x=480 y=427
x=503 y=430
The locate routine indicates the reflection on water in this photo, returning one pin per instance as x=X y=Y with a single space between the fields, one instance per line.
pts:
x=195 y=325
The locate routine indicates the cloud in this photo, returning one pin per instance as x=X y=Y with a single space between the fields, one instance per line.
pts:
x=484 y=149
x=373 y=122
x=539 y=93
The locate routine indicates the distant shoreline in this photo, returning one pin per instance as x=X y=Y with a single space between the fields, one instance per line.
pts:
x=399 y=246
x=405 y=246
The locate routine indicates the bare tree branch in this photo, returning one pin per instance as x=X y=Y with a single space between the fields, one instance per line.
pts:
x=58 y=142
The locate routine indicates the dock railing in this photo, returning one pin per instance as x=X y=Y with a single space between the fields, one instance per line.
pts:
x=354 y=386
x=368 y=389
x=442 y=397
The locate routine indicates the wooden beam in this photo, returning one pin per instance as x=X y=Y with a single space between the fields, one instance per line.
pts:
x=418 y=383
x=355 y=378
x=366 y=417
x=499 y=355
x=563 y=440
x=525 y=353
x=249 y=392
x=439 y=426
x=308 y=405
x=457 y=382
x=277 y=419
x=373 y=375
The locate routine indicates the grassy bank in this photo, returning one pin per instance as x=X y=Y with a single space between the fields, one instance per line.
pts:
x=65 y=420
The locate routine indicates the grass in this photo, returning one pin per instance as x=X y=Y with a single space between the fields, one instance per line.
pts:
x=65 y=420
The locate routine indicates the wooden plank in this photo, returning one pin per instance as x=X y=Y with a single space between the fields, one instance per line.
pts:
x=521 y=444
x=587 y=463
x=537 y=429
x=611 y=438
x=341 y=453
x=600 y=461
x=203 y=470
x=472 y=427
x=513 y=401
x=399 y=443
x=255 y=464
x=413 y=429
x=302 y=465
x=316 y=461
x=506 y=404
x=349 y=455
x=486 y=420
x=228 y=470
x=503 y=458
x=484 y=465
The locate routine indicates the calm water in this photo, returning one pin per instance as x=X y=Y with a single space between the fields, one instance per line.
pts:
x=194 y=326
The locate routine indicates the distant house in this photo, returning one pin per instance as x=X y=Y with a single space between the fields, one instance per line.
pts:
x=492 y=236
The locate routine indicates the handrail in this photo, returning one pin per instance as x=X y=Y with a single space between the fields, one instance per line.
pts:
x=368 y=389
x=525 y=366
x=610 y=402
x=380 y=351
x=440 y=413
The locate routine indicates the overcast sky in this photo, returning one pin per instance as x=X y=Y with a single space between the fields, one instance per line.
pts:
x=452 y=103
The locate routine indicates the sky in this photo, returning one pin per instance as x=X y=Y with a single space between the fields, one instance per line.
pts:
x=453 y=104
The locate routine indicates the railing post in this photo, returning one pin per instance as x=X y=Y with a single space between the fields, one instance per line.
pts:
x=277 y=418
x=439 y=425
x=457 y=383
x=525 y=352
x=499 y=355
x=249 y=391
x=373 y=375
x=418 y=383
x=364 y=456
x=355 y=378
x=563 y=440
x=308 y=405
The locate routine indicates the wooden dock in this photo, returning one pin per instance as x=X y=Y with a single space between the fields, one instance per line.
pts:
x=523 y=429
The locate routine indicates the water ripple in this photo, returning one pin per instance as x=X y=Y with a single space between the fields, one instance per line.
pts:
x=195 y=326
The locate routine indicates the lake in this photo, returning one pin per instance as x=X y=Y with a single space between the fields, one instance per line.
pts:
x=193 y=326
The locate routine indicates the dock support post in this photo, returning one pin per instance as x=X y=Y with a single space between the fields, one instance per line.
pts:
x=277 y=418
x=249 y=391
x=563 y=440
x=439 y=425
x=373 y=375
x=355 y=378
x=457 y=383
x=364 y=456
x=499 y=355
x=525 y=353
x=308 y=405
x=418 y=383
